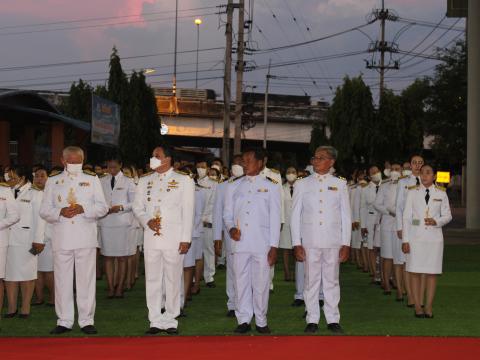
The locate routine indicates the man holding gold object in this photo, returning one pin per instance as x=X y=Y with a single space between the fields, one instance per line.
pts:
x=72 y=203
x=164 y=205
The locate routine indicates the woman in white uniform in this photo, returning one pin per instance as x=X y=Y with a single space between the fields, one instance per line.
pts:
x=426 y=211
x=26 y=241
x=285 y=235
x=9 y=215
x=45 y=259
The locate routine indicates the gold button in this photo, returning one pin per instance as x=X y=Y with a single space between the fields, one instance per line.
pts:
x=320 y=223
x=248 y=202
x=321 y=190
x=321 y=201
x=73 y=222
x=321 y=212
x=248 y=213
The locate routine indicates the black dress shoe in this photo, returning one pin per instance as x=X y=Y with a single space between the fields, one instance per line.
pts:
x=89 y=330
x=298 y=302
x=221 y=267
x=231 y=313
x=23 y=316
x=263 y=329
x=59 y=329
x=10 y=315
x=182 y=314
x=321 y=303
x=335 y=328
x=428 y=316
x=311 y=328
x=243 y=328
x=211 y=284
x=172 y=331
x=419 y=316
x=153 y=331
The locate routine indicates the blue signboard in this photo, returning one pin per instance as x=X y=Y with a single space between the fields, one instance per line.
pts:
x=105 y=121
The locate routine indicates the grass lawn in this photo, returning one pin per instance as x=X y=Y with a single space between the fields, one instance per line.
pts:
x=364 y=309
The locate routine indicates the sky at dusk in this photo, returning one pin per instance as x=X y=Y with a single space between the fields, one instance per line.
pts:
x=46 y=32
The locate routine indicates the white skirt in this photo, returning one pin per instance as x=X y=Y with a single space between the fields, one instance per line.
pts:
x=115 y=241
x=425 y=257
x=21 y=265
x=3 y=261
x=285 y=238
x=133 y=240
x=356 y=239
x=45 y=259
x=398 y=255
x=386 y=243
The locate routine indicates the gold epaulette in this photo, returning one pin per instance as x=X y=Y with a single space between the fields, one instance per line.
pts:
x=413 y=187
x=340 y=177
x=146 y=174
x=181 y=172
x=386 y=181
x=235 y=179
x=275 y=171
x=402 y=177
x=441 y=188
x=35 y=187
x=272 y=180
x=102 y=175
x=55 y=173
x=89 y=172
x=4 y=184
x=128 y=176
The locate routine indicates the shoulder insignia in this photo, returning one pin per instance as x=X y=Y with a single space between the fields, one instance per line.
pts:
x=441 y=188
x=271 y=180
x=412 y=187
x=4 y=184
x=402 y=177
x=35 y=187
x=340 y=177
x=89 y=172
x=55 y=173
x=386 y=181
x=102 y=175
x=275 y=171
x=181 y=172
x=235 y=179
x=146 y=174
x=128 y=176
x=300 y=178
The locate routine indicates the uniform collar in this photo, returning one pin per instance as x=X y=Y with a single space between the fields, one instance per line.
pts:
x=119 y=175
x=251 y=178
x=166 y=174
x=322 y=177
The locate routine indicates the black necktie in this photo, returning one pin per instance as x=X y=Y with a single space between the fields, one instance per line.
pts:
x=418 y=181
x=16 y=192
x=291 y=190
x=376 y=189
x=427 y=195
x=112 y=182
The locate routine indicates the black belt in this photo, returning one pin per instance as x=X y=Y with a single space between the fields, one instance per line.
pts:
x=207 y=225
x=371 y=213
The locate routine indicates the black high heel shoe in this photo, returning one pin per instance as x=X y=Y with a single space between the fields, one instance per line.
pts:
x=10 y=315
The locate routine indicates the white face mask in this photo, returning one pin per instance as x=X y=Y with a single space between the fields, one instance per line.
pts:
x=309 y=168
x=215 y=166
x=237 y=170
x=362 y=181
x=406 y=172
x=201 y=172
x=74 y=168
x=6 y=176
x=291 y=177
x=331 y=171
x=394 y=175
x=377 y=177
x=387 y=172
x=155 y=163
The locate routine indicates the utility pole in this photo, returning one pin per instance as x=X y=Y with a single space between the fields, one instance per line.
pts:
x=174 y=84
x=265 y=107
x=239 y=68
x=382 y=51
x=227 y=83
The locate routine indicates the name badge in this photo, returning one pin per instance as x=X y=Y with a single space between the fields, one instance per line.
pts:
x=333 y=188
x=262 y=190
x=84 y=184
x=437 y=199
x=119 y=189
x=416 y=222
x=25 y=200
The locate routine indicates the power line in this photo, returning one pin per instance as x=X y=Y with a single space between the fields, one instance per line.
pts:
x=427 y=23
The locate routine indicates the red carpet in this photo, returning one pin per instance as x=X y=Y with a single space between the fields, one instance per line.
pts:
x=241 y=347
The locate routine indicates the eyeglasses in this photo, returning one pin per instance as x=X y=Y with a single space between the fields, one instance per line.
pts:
x=320 y=158
x=420 y=162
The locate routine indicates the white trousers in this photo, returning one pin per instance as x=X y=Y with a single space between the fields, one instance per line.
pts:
x=322 y=268
x=251 y=284
x=83 y=262
x=230 y=282
x=300 y=282
x=208 y=255
x=163 y=277
x=272 y=275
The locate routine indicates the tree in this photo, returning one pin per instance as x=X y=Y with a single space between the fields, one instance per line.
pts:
x=447 y=114
x=317 y=136
x=350 y=119
x=79 y=103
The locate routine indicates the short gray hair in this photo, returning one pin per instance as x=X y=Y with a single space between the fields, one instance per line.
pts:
x=72 y=150
x=330 y=150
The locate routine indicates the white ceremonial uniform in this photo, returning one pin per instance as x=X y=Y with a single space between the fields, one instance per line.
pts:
x=355 y=192
x=219 y=229
x=74 y=242
x=207 y=236
x=196 y=248
x=275 y=175
x=45 y=258
x=9 y=215
x=402 y=188
x=391 y=245
x=285 y=235
x=426 y=242
x=115 y=228
x=369 y=216
x=21 y=264
x=171 y=196
x=322 y=224
x=253 y=206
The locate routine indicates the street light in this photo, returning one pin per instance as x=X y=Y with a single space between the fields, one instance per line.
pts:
x=198 y=22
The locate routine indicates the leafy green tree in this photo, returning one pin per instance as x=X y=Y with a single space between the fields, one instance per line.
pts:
x=317 y=137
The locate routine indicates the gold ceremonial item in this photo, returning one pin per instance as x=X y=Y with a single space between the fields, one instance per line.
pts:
x=157 y=213
x=71 y=198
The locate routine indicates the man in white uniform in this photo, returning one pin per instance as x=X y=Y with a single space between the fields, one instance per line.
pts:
x=119 y=191
x=220 y=233
x=252 y=215
x=321 y=229
x=72 y=203
x=164 y=205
